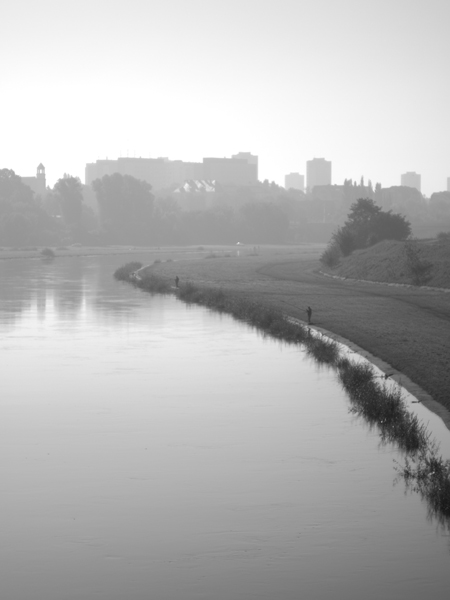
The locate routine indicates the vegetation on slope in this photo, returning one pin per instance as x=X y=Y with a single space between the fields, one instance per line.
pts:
x=366 y=225
x=400 y=262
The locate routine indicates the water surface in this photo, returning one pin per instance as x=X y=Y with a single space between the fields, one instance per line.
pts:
x=152 y=450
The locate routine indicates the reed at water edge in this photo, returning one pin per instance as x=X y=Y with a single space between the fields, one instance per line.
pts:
x=380 y=405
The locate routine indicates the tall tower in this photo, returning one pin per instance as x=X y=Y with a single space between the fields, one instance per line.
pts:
x=411 y=179
x=40 y=179
x=40 y=173
x=318 y=172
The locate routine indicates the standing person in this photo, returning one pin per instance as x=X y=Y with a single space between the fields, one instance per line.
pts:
x=177 y=281
x=309 y=313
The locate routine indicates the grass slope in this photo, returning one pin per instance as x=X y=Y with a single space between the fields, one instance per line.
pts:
x=387 y=262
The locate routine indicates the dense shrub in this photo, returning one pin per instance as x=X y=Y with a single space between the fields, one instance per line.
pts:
x=367 y=225
x=331 y=255
x=123 y=273
x=47 y=253
x=419 y=268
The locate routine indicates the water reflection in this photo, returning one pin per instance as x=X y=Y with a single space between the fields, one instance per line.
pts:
x=63 y=288
x=156 y=451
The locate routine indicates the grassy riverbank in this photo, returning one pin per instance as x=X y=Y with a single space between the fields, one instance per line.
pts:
x=404 y=330
x=380 y=405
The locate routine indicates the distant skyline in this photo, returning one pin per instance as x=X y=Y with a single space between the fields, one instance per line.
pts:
x=363 y=84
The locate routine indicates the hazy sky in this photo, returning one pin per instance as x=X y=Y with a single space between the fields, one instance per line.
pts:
x=363 y=83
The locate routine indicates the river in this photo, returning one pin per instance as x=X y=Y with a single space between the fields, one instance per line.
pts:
x=152 y=450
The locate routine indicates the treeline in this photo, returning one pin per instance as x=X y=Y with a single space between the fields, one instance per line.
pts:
x=128 y=213
x=120 y=209
x=59 y=217
x=22 y=220
x=426 y=216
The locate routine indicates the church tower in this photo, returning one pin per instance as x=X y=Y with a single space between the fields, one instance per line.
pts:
x=40 y=177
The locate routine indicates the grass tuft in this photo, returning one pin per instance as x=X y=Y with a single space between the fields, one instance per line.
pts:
x=429 y=474
x=382 y=406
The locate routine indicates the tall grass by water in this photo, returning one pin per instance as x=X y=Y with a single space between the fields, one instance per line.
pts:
x=382 y=406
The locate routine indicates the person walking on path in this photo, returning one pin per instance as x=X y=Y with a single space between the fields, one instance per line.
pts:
x=309 y=313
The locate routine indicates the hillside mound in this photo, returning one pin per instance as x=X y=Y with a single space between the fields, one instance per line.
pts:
x=388 y=262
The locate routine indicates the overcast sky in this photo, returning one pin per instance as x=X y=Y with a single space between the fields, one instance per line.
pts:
x=363 y=83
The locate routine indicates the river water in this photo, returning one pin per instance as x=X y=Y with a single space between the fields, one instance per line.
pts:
x=154 y=451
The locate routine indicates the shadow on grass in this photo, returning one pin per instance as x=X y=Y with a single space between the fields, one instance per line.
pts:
x=424 y=471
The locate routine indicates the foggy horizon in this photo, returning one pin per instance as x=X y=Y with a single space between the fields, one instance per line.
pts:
x=364 y=86
x=226 y=348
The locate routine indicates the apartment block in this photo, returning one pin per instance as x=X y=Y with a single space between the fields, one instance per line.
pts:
x=318 y=172
x=162 y=172
x=294 y=181
x=411 y=179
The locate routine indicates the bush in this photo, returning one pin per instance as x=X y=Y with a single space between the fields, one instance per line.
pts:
x=345 y=241
x=418 y=267
x=367 y=225
x=48 y=253
x=123 y=273
x=331 y=255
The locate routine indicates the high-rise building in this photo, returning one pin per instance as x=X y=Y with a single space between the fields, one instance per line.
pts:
x=162 y=172
x=318 y=172
x=249 y=157
x=159 y=172
x=230 y=170
x=411 y=179
x=448 y=184
x=294 y=181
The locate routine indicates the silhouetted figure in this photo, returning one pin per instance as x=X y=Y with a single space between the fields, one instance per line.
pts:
x=177 y=281
x=309 y=313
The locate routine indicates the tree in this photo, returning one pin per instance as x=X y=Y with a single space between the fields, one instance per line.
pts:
x=22 y=221
x=440 y=204
x=366 y=225
x=126 y=207
x=69 y=191
x=263 y=223
x=12 y=188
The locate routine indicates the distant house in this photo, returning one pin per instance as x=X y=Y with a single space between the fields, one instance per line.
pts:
x=195 y=194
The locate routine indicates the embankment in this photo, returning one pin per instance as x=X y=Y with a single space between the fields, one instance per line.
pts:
x=408 y=329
